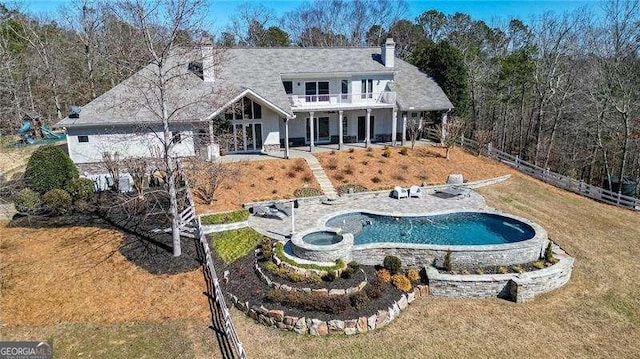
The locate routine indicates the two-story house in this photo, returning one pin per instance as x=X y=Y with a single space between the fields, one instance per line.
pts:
x=269 y=99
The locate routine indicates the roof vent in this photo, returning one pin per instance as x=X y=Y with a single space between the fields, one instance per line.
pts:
x=74 y=112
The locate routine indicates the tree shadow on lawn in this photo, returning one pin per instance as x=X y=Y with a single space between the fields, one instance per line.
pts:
x=141 y=246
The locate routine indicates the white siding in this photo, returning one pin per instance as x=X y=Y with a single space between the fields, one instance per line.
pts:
x=126 y=140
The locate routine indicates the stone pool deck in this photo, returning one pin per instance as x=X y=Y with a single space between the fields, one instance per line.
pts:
x=312 y=213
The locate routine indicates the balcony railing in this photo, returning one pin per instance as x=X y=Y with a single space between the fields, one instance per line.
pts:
x=342 y=100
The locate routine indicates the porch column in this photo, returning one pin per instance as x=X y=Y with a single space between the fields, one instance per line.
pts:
x=211 y=132
x=394 y=126
x=340 y=134
x=286 y=138
x=311 y=132
x=368 y=129
x=404 y=128
x=445 y=117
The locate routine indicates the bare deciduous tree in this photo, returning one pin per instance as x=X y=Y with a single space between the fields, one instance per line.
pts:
x=449 y=133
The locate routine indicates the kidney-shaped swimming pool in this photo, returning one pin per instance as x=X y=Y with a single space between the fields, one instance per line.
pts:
x=458 y=228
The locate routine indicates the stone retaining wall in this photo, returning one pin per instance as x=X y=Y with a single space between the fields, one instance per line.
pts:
x=302 y=325
x=464 y=256
x=513 y=286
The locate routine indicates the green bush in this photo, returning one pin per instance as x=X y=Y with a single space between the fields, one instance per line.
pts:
x=404 y=151
x=359 y=300
x=392 y=263
x=330 y=276
x=347 y=273
x=80 y=188
x=27 y=201
x=48 y=168
x=57 y=201
x=353 y=265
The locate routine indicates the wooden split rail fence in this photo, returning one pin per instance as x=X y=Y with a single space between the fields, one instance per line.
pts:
x=548 y=176
x=213 y=283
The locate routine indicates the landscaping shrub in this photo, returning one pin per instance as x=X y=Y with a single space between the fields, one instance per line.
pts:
x=401 y=282
x=307 y=192
x=392 y=263
x=376 y=179
x=479 y=271
x=503 y=270
x=48 y=168
x=347 y=273
x=291 y=174
x=266 y=246
x=352 y=150
x=299 y=165
x=517 y=269
x=332 y=163
x=27 y=201
x=375 y=289
x=359 y=300
x=538 y=264
x=329 y=277
x=337 y=303
x=338 y=176
x=548 y=254
x=80 y=188
x=386 y=153
x=291 y=275
x=57 y=201
x=310 y=302
x=348 y=169
x=353 y=265
x=383 y=275
x=446 y=264
x=413 y=275
x=404 y=151
x=307 y=176
x=354 y=187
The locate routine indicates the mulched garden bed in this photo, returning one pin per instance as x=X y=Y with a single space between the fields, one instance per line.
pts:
x=527 y=267
x=245 y=284
x=338 y=283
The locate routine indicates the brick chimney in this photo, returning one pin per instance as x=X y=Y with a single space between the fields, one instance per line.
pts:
x=206 y=45
x=388 y=53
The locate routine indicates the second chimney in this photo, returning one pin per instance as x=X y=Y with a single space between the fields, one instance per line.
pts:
x=206 y=45
x=388 y=53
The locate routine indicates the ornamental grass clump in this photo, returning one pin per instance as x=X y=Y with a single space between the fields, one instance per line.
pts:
x=401 y=282
x=548 y=254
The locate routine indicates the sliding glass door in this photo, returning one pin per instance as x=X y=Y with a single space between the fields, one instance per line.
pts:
x=247 y=137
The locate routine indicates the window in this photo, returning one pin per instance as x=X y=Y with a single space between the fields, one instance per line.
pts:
x=367 y=88
x=345 y=89
x=83 y=138
x=257 y=110
x=177 y=137
x=247 y=108
x=345 y=125
x=316 y=91
x=310 y=90
x=414 y=114
x=288 y=87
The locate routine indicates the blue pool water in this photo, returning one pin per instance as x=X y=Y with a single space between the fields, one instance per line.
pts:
x=462 y=228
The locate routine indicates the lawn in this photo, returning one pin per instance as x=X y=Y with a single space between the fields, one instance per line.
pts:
x=261 y=181
x=226 y=217
x=596 y=315
x=371 y=169
x=231 y=245
x=72 y=285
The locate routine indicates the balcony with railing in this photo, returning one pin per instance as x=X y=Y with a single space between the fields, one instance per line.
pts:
x=345 y=101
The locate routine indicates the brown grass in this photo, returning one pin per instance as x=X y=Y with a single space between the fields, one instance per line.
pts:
x=372 y=170
x=596 y=315
x=77 y=274
x=257 y=181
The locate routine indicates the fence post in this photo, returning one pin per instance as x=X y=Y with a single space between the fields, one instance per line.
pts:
x=489 y=149
x=580 y=185
x=517 y=161
x=462 y=141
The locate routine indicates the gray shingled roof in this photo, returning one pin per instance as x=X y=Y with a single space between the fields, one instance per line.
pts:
x=260 y=70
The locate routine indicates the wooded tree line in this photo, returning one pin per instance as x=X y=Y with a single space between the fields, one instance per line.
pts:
x=559 y=90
